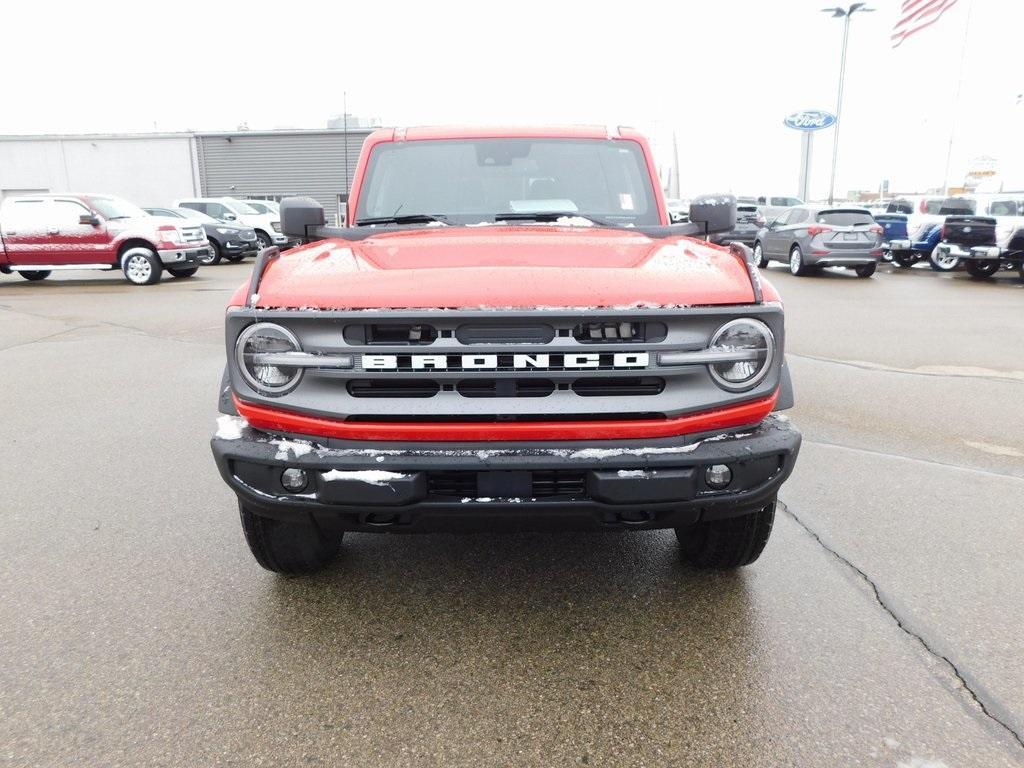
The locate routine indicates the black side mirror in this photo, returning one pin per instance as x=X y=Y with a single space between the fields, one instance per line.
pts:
x=228 y=216
x=716 y=213
x=298 y=214
x=90 y=219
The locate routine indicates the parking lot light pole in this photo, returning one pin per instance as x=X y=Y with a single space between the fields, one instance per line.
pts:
x=844 y=14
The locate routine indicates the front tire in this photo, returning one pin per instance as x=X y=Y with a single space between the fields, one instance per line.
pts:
x=729 y=543
x=796 y=262
x=141 y=266
x=866 y=270
x=35 y=275
x=214 y=257
x=288 y=547
x=183 y=272
x=759 y=258
x=982 y=270
x=264 y=239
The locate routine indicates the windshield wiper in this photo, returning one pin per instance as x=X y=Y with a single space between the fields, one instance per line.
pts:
x=115 y=218
x=550 y=216
x=408 y=218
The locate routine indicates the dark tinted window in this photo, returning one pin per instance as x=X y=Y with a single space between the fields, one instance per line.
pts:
x=472 y=180
x=957 y=206
x=844 y=218
x=931 y=206
x=1003 y=208
x=900 y=206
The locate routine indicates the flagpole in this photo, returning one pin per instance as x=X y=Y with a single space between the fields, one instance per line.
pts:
x=956 y=99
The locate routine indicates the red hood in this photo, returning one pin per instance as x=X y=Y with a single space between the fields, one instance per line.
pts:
x=504 y=266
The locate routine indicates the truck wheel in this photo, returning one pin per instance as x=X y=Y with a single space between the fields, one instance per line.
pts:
x=759 y=258
x=213 y=257
x=183 y=272
x=729 y=543
x=865 y=270
x=264 y=238
x=982 y=270
x=141 y=266
x=905 y=259
x=35 y=275
x=796 y=262
x=943 y=262
x=287 y=547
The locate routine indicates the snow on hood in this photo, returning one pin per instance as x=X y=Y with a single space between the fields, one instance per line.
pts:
x=505 y=267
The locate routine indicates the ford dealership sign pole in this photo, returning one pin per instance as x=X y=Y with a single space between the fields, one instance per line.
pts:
x=807 y=122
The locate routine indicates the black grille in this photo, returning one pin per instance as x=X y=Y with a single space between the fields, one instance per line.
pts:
x=619 y=331
x=505 y=334
x=543 y=483
x=391 y=333
x=619 y=387
x=505 y=387
x=393 y=388
x=559 y=482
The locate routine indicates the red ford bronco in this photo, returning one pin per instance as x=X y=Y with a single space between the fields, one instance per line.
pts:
x=507 y=333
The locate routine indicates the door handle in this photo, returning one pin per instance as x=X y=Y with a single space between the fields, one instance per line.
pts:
x=53 y=231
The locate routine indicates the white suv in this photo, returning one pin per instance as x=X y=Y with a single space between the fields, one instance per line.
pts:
x=267 y=225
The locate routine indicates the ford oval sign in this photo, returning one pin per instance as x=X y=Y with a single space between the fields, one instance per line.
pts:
x=809 y=120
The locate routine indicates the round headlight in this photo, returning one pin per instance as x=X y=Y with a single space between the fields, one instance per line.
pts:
x=753 y=342
x=255 y=349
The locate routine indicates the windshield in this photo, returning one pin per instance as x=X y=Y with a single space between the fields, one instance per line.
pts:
x=262 y=206
x=242 y=209
x=115 y=208
x=467 y=181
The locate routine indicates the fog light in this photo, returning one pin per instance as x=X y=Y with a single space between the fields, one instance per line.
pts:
x=294 y=480
x=718 y=476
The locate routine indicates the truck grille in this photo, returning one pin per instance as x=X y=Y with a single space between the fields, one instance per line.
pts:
x=193 y=234
x=497 y=366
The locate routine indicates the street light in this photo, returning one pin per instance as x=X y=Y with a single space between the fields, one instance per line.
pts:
x=844 y=14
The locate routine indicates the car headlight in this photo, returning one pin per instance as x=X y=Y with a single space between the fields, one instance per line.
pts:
x=753 y=346
x=224 y=231
x=255 y=351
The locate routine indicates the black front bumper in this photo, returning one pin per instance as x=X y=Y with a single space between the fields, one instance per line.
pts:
x=416 y=487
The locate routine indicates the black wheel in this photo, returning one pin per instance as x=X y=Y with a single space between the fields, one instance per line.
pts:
x=141 y=266
x=183 y=272
x=1022 y=271
x=35 y=275
x=213 y=256
x=981 y=270
x=866 y=270
x=288 y=547
x=905 y=259
x=264 y=238
x=796 y=262
x=729 y=543
x=759 y=258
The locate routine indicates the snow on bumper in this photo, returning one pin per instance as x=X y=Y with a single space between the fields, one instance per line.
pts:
x=599 y=484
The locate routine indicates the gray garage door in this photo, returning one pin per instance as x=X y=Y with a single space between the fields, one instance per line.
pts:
x=280 y=163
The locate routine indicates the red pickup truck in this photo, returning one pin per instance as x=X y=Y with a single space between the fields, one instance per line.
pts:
x=508 y=333
x=43 y=233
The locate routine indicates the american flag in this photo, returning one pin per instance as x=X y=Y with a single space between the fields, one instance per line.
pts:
x=916 y=15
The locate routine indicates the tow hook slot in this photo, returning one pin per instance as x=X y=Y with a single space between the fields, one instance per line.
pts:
x=631 y=517
x=380 y=519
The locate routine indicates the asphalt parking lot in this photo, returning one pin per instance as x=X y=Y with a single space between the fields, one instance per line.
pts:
x=882 y=626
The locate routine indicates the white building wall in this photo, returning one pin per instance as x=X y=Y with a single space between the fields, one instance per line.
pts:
x=147 y=170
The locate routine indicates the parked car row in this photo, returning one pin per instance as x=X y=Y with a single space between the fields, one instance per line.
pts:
x=42 y=233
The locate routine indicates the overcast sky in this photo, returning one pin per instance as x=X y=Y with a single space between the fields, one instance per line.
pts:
x=721 y=74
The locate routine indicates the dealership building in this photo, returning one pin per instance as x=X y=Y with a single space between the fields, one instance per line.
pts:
x=154 y=169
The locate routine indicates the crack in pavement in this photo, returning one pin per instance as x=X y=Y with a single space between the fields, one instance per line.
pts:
x=967 y=372
x=986 y=707
x=46 y=337
x=932 y=462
